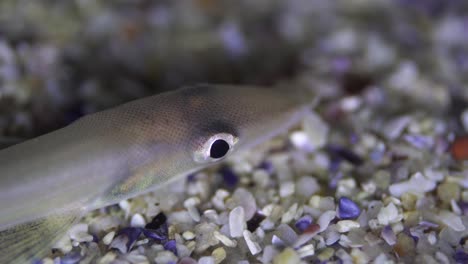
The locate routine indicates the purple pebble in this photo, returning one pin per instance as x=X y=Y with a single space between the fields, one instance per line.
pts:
x=132 y=233
x=303 y=222
x=229 y=177
x=348 y=209
x=460 y=256
x=171 y=246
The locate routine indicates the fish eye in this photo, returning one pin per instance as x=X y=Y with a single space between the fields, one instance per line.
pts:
x=219 y=149
x=215 y=148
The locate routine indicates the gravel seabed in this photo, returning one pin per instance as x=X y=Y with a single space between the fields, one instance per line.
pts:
x=377 y=174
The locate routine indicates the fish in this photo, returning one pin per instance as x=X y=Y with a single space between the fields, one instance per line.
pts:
x=48 y=183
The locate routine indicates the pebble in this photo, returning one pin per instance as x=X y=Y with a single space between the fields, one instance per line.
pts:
x=326 y=254
x=451 y=220
x=237 y=222
x=292 y=213
x=286 y=189
x=188 y=235
x=107 y=239
x=165 y=257
x=448 y=191
x=244 y=198
x=348 y=209
x=307 y=235
x=405 y=245
x=300 y=140
x=285 y=234
x=307 y=186
x=388 y=235
x=459 y=148
x=219 y=254
x=287 y=256
x=225 y=240
x=464 y=119
x=191 y=205
x=316 y=129
x=389 y=215
x=137 y=221
x=344 y=226
x=253 y=246
x=416 y=184
x=306 y=251
x=325 y=219
x=303 y=222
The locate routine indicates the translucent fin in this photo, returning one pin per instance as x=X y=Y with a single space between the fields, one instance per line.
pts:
x=26 y=242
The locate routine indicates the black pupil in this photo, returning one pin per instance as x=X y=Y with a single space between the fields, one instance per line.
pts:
x=219 y=148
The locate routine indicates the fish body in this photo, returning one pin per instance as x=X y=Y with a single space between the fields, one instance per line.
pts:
x=125 y=151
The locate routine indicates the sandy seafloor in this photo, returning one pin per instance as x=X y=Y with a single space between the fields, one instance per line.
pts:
x=376 y=175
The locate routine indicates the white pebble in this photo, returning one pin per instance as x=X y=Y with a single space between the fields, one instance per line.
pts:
x=416 y=184
x=125 y=206
x=300 y=140
x=218 y=199
x=191 y=205
x=253 y=246
x=188 y=235
x=48 y=261
x=455 y=207
x=350 y=103
x=286 y=189
x=120 y=243
x=136 y=258
x=237 y=221
x=432 y=238
x=307 y=186
x=290 y=214
x=344 y=226
x=244 y=198
x=389 y=215
x=205 y=260
x=269 y=252
x=165 y=257
x=261 y=178
x=137 y=221
x=451 y=220
x=107 y=239
x=224 y=239
x=316 y=129
x=306 y=251
x=108 y=258
x=442 y=258
x=325 y=219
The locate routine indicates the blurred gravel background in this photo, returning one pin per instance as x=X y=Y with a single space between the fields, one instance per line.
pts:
x=62 y=59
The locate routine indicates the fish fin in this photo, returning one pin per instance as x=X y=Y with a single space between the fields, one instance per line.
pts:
x=28 y=241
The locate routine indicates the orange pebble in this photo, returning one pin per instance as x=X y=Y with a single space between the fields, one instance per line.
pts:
x=459 y=148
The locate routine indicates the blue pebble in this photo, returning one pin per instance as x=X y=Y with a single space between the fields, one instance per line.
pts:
x=348 y=209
